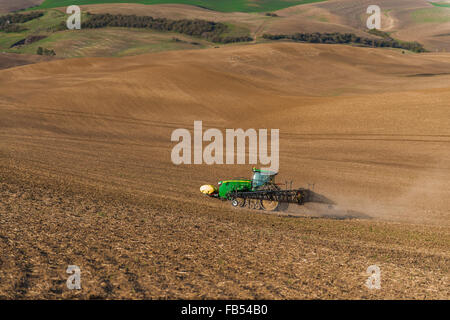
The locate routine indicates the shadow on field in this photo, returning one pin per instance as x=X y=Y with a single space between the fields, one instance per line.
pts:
x=319 y=198
x=319 y=206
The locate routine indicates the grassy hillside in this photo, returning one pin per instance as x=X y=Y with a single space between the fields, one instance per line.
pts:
x=99 y=42
x=47 y=24
x=49 y=32
x=111 y=42
x=224 y=6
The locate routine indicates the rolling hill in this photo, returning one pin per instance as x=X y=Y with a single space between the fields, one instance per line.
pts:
x=409 y=20
x=86 y=175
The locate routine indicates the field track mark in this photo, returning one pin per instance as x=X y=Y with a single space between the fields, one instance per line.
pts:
x=100 y=116
x=377 y=163
x=333 y=138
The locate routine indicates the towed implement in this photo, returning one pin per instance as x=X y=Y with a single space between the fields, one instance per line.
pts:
x=260 y=192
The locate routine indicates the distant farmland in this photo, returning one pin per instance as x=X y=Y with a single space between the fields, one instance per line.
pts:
x=441 y=4
x=224 y=6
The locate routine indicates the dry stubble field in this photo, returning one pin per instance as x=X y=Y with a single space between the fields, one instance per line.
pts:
x=86 y=176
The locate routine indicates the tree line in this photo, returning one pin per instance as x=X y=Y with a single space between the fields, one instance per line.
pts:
x=8 y=23
x=347 y=38
x=209 y=30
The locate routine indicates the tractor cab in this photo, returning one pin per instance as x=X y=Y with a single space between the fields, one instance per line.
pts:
x=262 y=177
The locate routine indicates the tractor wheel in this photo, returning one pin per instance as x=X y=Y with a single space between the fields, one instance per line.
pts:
x=269 y=205
x=238 y=202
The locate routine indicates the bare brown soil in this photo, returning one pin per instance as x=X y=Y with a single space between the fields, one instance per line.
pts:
x=9 y=60
x=13 y=5
x=86 y=176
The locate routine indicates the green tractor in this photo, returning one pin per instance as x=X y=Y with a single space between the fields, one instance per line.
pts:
x=260 y=192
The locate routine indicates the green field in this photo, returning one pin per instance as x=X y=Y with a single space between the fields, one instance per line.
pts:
x=111 y=42
x=431 y=15
x=441 y=4
x=217 y=5
x=45 y=25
